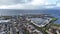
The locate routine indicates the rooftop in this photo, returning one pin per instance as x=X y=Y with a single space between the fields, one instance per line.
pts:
x=4 y=21
x=40 y=21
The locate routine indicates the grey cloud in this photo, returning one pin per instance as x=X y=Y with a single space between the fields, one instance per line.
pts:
x=19 y=4
x=2 y=2
x=7 y=2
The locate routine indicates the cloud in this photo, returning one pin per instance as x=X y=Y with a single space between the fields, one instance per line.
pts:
x=18 y=6
x=34 y=4
x=9 y=2
x=28 y=4
x=58 y=4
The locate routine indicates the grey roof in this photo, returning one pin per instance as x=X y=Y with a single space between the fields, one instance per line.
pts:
x=39 y=21
x=4 y=21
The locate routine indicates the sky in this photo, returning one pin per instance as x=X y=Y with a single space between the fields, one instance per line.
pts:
x=29 y=4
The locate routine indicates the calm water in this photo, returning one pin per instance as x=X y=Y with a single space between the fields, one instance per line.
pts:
x=53 y=12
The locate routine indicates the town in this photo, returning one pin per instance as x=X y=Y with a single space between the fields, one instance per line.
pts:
x=29 y=24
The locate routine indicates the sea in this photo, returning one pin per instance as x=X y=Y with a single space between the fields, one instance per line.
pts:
x=12 y=12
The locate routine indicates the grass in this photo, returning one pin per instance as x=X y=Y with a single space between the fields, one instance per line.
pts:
x=55 y=25
x=52 y=22
x=26 y=32
x=54 y=19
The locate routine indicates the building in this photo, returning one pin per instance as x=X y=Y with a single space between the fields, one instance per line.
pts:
x=37 y=32
x=4 y=26
x=40 y=22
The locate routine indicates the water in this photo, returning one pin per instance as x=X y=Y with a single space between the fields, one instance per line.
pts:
x=53 y=12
